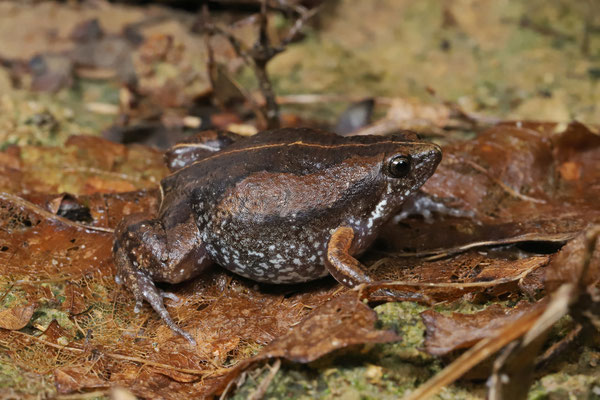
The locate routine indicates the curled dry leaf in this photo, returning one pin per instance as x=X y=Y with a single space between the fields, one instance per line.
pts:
x=16 y=317
x=457 y=331
x=75 y=301
x=341 y=322
x=577 y=263
x=74 y=378
x=468 y=274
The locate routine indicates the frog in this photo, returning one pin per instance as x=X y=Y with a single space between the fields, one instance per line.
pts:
x=284 y=206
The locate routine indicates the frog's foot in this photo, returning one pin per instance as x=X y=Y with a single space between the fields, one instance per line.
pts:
x=143 y=288
x=425 y=205
x=346 y=269
x=154 y=297
x=197 y=147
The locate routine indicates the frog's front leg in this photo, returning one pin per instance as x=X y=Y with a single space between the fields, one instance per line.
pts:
x=145 y=252
x=346 y=269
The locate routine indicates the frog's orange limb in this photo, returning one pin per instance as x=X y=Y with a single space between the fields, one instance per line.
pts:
x=346 y=269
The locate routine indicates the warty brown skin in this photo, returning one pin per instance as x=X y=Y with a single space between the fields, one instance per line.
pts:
x=283 y=206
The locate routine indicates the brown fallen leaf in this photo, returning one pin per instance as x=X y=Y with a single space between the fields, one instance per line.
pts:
x=445 y=334
x=577 y=295
x=341 y=322
x=75 y=301
x=74 y=378
x=578 y=263
x=471 y=273
x=517 y=180
x=17 y=317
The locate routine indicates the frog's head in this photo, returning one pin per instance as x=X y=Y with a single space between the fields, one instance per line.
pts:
x=400 y=165
x=406 y=167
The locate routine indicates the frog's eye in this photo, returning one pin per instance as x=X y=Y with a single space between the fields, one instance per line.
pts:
x=399 y=166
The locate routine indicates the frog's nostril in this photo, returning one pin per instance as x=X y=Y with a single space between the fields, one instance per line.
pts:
x=434 y=153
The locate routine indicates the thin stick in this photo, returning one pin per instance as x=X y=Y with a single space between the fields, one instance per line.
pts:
x=477 y=353
x=48 y=215
x=264 y=385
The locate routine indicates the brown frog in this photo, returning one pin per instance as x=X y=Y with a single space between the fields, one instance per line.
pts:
x=283 y=206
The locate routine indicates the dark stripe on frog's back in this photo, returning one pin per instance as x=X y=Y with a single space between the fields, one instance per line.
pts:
x=294 y=150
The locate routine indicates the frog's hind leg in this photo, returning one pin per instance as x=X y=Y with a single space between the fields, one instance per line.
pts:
x=145 y=252
x=199 y=146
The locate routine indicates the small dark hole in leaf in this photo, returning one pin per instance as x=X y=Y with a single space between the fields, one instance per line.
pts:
x=540 y=247
x=4 y=248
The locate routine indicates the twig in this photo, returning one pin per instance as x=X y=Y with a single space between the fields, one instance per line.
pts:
x=435 y=254
x=259 y=55
x=262 y=52
x=48 y=215
x=264 y=385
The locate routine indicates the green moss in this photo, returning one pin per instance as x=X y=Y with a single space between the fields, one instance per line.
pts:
x=18 y=383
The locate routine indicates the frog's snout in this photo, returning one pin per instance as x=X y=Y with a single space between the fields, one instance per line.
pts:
x=427 y=158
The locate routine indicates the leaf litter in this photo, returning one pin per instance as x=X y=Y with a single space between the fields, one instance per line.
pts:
x=233 y=317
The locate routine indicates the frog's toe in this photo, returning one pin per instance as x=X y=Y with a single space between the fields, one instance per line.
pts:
x=143 y=288
x=155 y=298
x=138 y=306
x=183 y=333
x=169 y=295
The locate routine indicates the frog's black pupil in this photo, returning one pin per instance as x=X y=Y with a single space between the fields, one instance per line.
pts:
x=399 y=166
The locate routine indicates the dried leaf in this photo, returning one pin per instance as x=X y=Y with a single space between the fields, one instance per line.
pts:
x=341 y=322
x=16 y=317
x=458 y=331
x=75 y=302
x=72 y=379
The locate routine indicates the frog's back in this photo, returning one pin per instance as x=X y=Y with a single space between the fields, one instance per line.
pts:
x=298 y=151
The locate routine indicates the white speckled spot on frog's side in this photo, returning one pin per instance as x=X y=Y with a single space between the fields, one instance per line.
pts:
x=268 y=259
